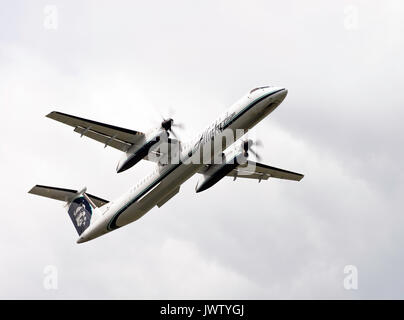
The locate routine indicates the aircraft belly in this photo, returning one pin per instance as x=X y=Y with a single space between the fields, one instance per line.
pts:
x=157 y=194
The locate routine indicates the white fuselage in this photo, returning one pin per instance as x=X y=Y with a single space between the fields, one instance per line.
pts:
x=164 y=182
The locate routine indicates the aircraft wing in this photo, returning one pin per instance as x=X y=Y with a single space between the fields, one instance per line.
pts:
x=259 y=171
x=116 y=137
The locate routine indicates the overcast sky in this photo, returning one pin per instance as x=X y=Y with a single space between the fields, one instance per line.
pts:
x=123 y=62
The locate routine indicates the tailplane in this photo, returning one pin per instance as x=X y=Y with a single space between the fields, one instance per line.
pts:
x=81 y=206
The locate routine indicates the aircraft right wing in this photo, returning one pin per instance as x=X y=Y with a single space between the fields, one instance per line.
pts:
x=260 y=171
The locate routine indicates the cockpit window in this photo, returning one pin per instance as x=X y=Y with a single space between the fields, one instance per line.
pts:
x=255 y=89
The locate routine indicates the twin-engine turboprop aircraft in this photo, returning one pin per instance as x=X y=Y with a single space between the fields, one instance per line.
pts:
x=218 y=151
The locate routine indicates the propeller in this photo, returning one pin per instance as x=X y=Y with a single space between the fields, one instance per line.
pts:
x=247 y=146
x=168 y=124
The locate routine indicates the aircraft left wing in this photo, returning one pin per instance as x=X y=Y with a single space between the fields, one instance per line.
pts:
x=259 y=171
x=116 y=137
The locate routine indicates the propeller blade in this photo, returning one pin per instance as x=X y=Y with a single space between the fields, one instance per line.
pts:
x=257 y=156
x=168 y=123
x=173 y=133
x=248 y=144
x=178 y=125
x=258 y=143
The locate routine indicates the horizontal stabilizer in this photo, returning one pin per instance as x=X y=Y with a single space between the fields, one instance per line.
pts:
x=61 y=194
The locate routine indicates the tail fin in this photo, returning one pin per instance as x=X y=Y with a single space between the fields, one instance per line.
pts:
x=81 y=205
x=80 y=212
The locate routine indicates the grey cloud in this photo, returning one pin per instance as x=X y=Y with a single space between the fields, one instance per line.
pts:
x=340 y=125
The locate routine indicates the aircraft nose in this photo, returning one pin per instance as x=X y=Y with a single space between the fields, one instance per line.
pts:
x=283 y=93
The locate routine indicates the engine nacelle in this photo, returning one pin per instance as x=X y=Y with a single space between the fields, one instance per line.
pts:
x=216 y=172
x=138 y=152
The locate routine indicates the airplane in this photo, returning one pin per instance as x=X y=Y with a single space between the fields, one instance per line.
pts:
x=220 y=150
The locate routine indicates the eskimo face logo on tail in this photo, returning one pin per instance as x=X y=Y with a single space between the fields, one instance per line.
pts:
x=80 y=213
